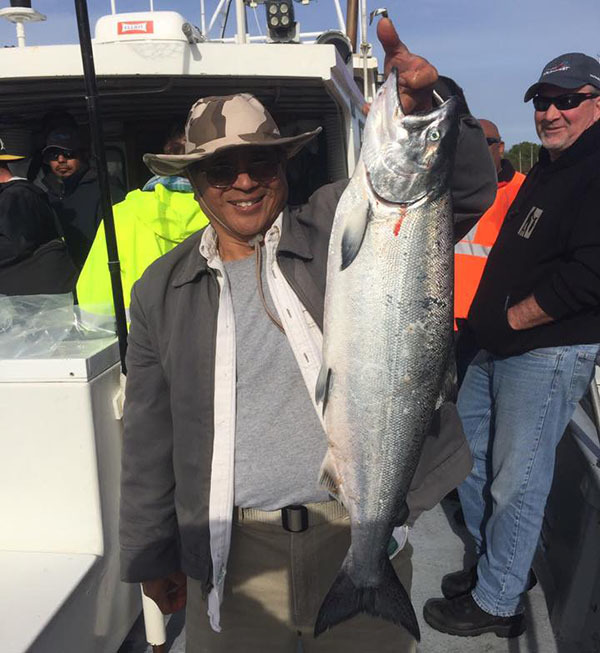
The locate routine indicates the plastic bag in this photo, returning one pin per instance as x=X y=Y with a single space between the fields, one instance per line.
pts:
x=34 y=326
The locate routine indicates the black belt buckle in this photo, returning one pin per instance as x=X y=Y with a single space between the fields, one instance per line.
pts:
x=294 y=519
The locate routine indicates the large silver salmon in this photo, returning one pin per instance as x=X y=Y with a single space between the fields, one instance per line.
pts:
x=387 y=330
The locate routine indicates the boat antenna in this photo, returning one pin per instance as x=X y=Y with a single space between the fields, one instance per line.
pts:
x=99 y=153
x=20 y=12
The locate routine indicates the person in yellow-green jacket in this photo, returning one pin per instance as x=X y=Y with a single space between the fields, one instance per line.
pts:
x=149 y=223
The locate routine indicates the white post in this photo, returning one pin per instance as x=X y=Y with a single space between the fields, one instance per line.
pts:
x=240 y=17
x=340 y=16
x=151 y=5
x=202 y=17
x=154 y=621
x=112 y=6
x=216 y=14
x=20 y=34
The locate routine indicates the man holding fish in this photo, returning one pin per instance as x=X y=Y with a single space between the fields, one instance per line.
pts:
x=229 y=396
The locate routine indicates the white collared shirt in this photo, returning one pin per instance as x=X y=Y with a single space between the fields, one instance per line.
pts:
x=306 y=342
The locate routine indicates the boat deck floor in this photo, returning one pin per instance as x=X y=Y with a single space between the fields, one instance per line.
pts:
x=440 y=546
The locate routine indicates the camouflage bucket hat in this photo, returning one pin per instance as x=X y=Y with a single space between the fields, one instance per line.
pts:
x=217 y=123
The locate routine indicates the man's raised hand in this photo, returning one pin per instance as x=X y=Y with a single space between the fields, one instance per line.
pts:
x=416 y=76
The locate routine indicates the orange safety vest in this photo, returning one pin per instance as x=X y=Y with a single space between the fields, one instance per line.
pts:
x=470 y=254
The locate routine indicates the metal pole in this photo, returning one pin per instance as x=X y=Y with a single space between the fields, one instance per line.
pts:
x=215 y=15
x=531 y=156
x=364 y=48
x=352 y=22
x=113 y=7
x=202 y=17
x=91 y=96
x=240 y=19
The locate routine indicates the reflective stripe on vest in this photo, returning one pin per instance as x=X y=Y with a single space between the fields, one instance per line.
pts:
x=468 y=247
x=472 y=249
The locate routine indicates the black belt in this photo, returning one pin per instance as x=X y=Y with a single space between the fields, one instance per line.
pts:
x=295 y=518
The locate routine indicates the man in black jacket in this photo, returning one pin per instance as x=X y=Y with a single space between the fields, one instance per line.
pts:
x=33 y=258
x=536 y=317
x=74 y=191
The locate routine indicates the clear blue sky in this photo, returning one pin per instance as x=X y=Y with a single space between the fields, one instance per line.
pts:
x=494 y=50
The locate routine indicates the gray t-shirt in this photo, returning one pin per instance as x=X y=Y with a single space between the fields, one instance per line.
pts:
x=279 y=440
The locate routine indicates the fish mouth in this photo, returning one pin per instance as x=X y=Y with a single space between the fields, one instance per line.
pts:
x=417 y=199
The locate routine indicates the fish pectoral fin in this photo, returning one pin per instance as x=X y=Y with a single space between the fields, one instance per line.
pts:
x=323 y=385
x=354 y=233
x=329 y=477
x=402 y=515
x=449 y=387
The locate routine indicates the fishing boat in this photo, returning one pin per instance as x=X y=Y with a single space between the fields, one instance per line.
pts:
x=61 y=405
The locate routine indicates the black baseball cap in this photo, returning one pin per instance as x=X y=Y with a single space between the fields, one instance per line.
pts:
x=15 y=143
x=570 y=70
x=63 y=139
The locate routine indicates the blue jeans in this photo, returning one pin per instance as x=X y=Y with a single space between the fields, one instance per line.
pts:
x=514 y=411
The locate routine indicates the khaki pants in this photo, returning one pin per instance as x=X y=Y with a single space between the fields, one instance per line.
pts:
x=276 y=581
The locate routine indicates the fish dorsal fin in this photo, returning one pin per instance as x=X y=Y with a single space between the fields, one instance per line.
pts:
x=354 y=234
x=323 y=385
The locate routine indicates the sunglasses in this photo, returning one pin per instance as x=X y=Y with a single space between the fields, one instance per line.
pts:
x=562 y=102
x=261 y=169
x=493 y=141
x=54 y=154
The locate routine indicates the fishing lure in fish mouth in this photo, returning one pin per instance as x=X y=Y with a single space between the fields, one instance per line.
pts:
x=387 y=336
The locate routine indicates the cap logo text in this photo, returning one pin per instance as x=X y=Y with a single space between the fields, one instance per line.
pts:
x=557 y=68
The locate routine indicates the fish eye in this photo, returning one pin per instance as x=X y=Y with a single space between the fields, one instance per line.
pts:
x=434 y=135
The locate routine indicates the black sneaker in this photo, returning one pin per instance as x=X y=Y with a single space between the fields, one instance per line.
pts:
x=463 y=617
x=462 y=582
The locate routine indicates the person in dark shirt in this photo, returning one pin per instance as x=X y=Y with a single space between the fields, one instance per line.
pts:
x=536 y=317
x=74 y=191
x=470 y=254
x=33 y=258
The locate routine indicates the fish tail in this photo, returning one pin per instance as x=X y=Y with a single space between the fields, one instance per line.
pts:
x=388 y=600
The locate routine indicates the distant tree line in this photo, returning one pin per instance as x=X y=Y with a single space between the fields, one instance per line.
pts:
x=523 y=155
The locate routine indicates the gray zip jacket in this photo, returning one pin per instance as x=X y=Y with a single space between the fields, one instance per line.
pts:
x=169 y=411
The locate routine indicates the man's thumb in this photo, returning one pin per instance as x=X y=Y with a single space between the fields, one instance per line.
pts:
x=388 y=37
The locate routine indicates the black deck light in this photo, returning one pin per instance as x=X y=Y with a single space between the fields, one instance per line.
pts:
x=281 y=21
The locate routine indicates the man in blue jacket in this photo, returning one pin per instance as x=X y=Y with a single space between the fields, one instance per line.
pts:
x=536 y=317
